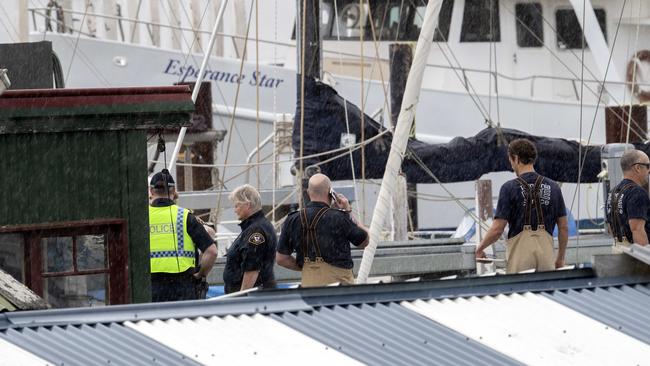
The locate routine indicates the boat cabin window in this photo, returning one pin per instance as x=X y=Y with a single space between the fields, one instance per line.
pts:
x=569 y=32
x=481 y=21
x=392 y=20
x=530 y=25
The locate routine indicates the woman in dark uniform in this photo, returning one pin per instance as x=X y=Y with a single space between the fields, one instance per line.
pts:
x=251 y=257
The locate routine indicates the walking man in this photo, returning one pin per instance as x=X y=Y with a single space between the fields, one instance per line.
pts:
x=531 y=205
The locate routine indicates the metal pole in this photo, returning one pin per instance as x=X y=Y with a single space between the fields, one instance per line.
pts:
x=401 y=134
x=195 y=92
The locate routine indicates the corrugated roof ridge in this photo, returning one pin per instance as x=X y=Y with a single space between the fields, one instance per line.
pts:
x=151 y=311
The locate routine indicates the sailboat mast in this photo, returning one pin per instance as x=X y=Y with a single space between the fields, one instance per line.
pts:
x=401 y=134
x=309 y=64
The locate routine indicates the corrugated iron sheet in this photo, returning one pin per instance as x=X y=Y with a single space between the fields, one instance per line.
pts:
x=240 y=340
x=535 y=330
x=100 y=344
x=390 y=335
x=625 y=308
x=14 y=355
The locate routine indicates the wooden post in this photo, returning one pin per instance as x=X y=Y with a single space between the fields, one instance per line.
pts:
x=401 y=58
x=616 y=124
x=484 y=206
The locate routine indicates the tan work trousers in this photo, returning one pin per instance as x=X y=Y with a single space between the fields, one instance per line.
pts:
x=530 y=249
x=320 y=273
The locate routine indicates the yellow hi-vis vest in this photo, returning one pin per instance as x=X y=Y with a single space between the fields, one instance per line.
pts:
x=171 y=247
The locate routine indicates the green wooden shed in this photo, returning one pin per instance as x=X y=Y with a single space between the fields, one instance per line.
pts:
x=73 y=215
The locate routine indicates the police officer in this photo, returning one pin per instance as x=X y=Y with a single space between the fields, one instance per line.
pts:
x=320 y=236
x=630 y=220
x=174 y=236
x=531 y=205
x=250 y=258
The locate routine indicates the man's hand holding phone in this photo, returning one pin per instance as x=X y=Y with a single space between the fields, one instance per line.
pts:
x=340 y=201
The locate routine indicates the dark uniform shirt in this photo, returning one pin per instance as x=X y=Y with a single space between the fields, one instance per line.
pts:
x=634 y=203
x=512 y=204
x=179 y=286
x=335 y=232
x=253 y=250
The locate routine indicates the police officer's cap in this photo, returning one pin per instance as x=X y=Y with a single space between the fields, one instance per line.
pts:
x=161 y=178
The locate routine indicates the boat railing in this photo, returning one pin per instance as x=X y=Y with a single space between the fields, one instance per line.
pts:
x=59 y=15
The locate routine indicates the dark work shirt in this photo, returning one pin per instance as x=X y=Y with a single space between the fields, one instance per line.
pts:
x=195 y=229
x=512 y=204
x=335 y=231
x=253 y=250
x=634 y=204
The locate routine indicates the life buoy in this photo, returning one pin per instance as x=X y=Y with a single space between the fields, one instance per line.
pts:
x=639 y=75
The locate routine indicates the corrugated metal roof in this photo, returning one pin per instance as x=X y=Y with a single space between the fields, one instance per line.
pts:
x=99 y=344
x=388 y=334
x=499 y=320
x=626 y=308
x=233 y=340
x=535 y=330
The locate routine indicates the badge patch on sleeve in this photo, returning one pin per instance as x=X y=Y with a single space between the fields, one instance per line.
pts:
x=256 y=239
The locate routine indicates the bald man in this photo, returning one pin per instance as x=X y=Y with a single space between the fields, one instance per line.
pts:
x=320 y=235
x=628 y=205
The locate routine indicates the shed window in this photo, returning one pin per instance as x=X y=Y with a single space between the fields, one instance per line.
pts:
x=69 y=264
x=481 y=21
x=569 y=32
x=530 y=25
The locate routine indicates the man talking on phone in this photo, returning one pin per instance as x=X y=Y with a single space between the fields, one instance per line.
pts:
x=320 y=235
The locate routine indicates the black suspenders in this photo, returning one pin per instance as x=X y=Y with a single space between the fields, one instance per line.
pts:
x=532 y=199
x=615 y=197
x=309 y=237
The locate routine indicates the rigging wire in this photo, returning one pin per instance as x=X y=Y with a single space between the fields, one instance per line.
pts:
x=76 y=43
x=257 y=86
x=636 y=44
x=345 y=108
x=582 y=83
x=593 y=122
x=345 y=150
x=16 y=35
x=274 y=167
x=303 y=33
x=363 y=115
x=232 y=119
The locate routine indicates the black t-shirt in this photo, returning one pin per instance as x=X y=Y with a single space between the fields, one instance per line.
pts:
x=634 y=204
x=253 y=250
x=512 y=204
x=335 y=231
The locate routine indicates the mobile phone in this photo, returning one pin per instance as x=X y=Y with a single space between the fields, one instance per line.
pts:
x=333 y=195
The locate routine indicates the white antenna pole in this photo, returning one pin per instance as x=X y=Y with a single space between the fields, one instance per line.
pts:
x=195 y=92
x=401 y=134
